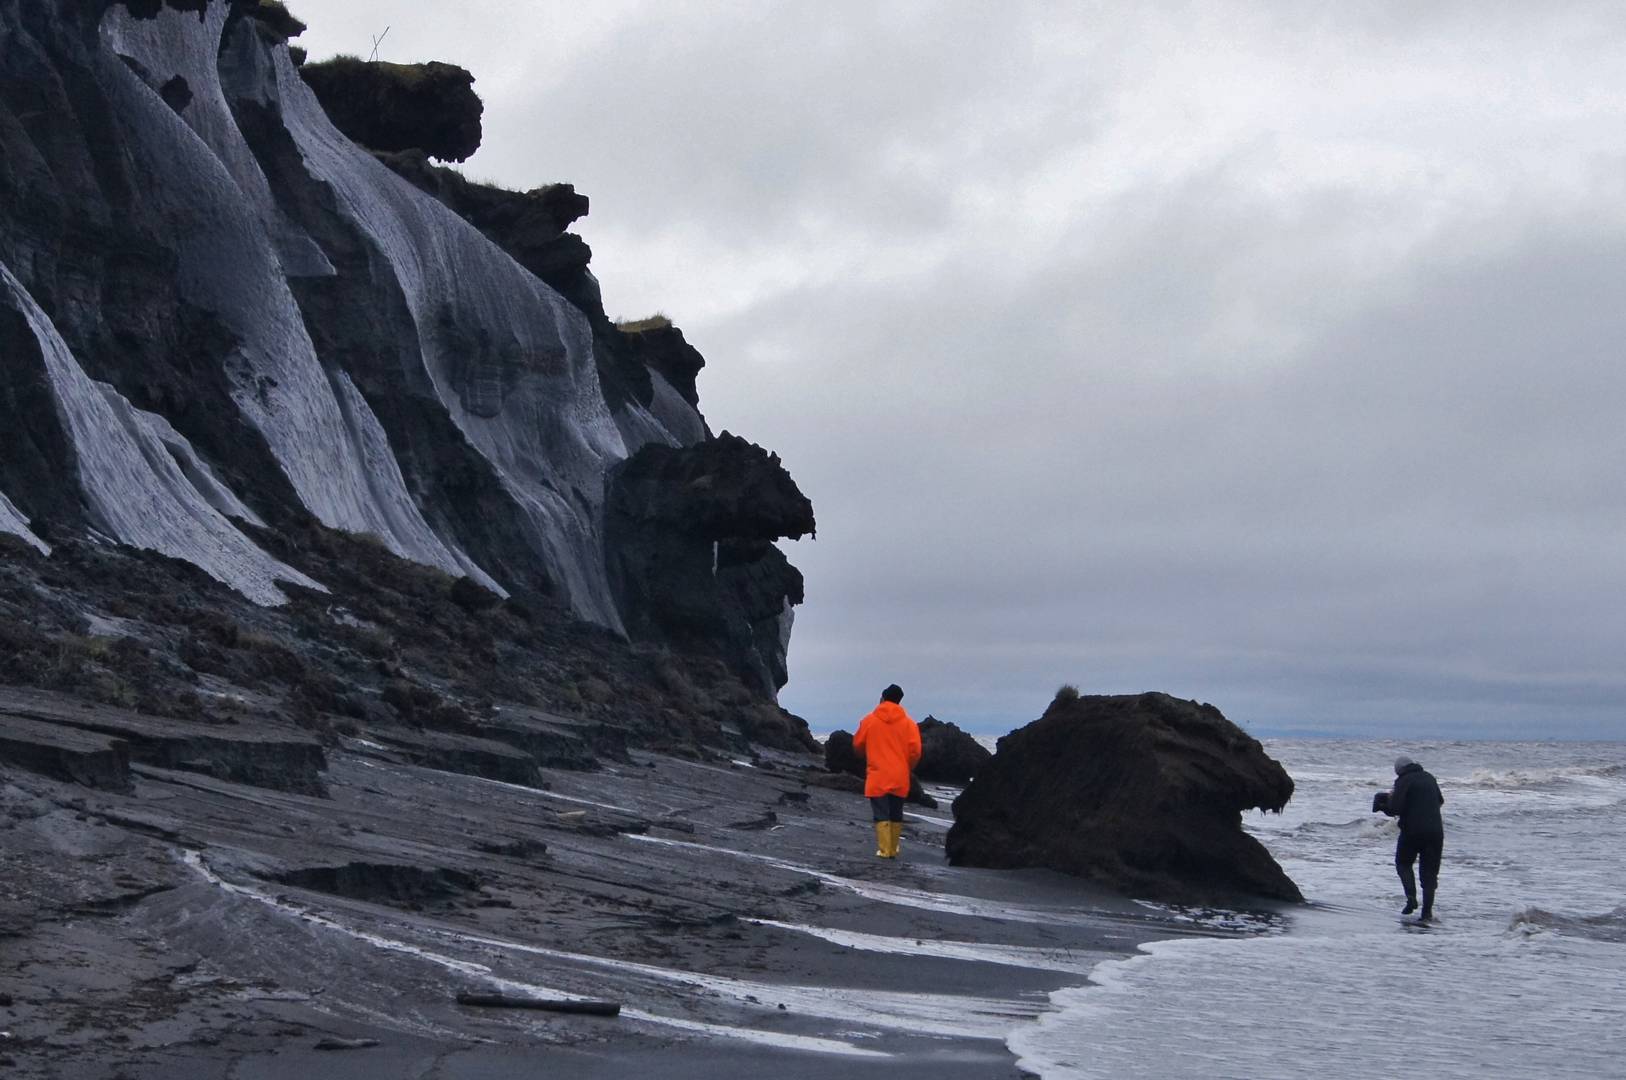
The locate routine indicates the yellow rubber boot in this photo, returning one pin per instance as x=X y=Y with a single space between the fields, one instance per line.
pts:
x=893 y=836
x=883 y=846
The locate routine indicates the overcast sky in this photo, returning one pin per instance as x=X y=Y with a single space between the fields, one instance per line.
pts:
x=1264 y=354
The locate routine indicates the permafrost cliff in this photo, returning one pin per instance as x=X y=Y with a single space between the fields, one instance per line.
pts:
x=221 y=317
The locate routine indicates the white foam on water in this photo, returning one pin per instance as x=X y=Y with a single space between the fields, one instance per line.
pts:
x=1277 y=1008
x=131 y=481
x=13 y=522
x=1523 y=975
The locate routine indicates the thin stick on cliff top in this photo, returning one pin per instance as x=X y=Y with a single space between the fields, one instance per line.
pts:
x=377 y=41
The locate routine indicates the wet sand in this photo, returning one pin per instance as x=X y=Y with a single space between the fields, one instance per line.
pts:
x=201 y=928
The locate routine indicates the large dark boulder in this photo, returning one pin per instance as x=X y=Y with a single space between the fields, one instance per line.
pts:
x=430 y=107
x=689 y=536
x=1143 y=793
x=949 y=755
x=839 y=755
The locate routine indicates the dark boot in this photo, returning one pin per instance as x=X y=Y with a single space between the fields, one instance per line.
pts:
x=1405 y=855
x=1428 y=906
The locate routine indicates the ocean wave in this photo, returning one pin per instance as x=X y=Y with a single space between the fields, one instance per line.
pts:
x=1609 y=926
x=1514 y=779
x=1225 y=921
x=1371 y=825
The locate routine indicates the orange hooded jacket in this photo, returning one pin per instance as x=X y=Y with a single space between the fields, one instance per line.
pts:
x=890 y=743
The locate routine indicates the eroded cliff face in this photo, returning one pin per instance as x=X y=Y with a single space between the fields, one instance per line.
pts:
x=221 y=318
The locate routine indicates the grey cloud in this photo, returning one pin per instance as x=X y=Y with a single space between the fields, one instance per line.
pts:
x=1317 y=423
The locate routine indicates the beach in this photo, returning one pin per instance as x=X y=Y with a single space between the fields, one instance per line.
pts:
x=734 y=908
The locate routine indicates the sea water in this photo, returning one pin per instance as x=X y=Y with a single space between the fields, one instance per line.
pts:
x=1523 y=975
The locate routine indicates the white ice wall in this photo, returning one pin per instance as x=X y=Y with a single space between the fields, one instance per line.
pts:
x=548 y=435
x=669 y=420
x=131 y=483
x=13 y=522
x=232 y=242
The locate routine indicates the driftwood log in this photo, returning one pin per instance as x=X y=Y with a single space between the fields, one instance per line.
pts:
x=511 y=1001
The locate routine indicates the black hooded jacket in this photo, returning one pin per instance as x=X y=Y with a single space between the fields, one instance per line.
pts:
x=1416 y=801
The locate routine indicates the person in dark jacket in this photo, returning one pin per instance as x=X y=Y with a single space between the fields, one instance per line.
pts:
x=1416 y=801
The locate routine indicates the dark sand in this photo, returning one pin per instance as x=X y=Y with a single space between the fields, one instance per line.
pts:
x=145 y=935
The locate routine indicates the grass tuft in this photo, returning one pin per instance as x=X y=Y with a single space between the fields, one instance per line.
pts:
x=657 y=321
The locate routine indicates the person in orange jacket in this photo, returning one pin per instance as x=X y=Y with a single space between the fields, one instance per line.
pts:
x=890 y=743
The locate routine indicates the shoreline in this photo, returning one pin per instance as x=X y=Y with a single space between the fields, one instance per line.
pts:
x=198 y=927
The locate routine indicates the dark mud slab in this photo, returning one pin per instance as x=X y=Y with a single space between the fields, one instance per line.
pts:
x=264 y=755
x=64 y=753
x=197 y=926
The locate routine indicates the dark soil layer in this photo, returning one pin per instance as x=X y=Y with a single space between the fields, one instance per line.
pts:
x=430 y=107
x=393 y=646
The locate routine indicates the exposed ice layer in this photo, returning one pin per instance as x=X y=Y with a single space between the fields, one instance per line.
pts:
x=958 y=1015
x=943 y=903
x=669 y=420
x=133 y=485
x=787 y=623
x=13 y=522
x=165 y=53
x=1071 y=961
x=197 y=471
x=675 y=414
x=206 y=183
x=510 y=359
x=383 y=474
x=639 y=428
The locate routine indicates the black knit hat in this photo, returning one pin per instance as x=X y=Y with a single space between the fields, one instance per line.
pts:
x=893 y=693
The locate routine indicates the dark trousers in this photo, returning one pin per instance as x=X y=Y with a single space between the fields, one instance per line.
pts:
x=1424 y=850
x=887 y=807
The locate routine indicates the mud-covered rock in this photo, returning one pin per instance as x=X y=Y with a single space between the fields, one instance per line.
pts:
x=839 y=755
x=949 y=755
x=383 y=106
x=278 y=21
x=689 y=536
x=63 y=753
x=282 y=760
x=661 y=347
x=1141 y=792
